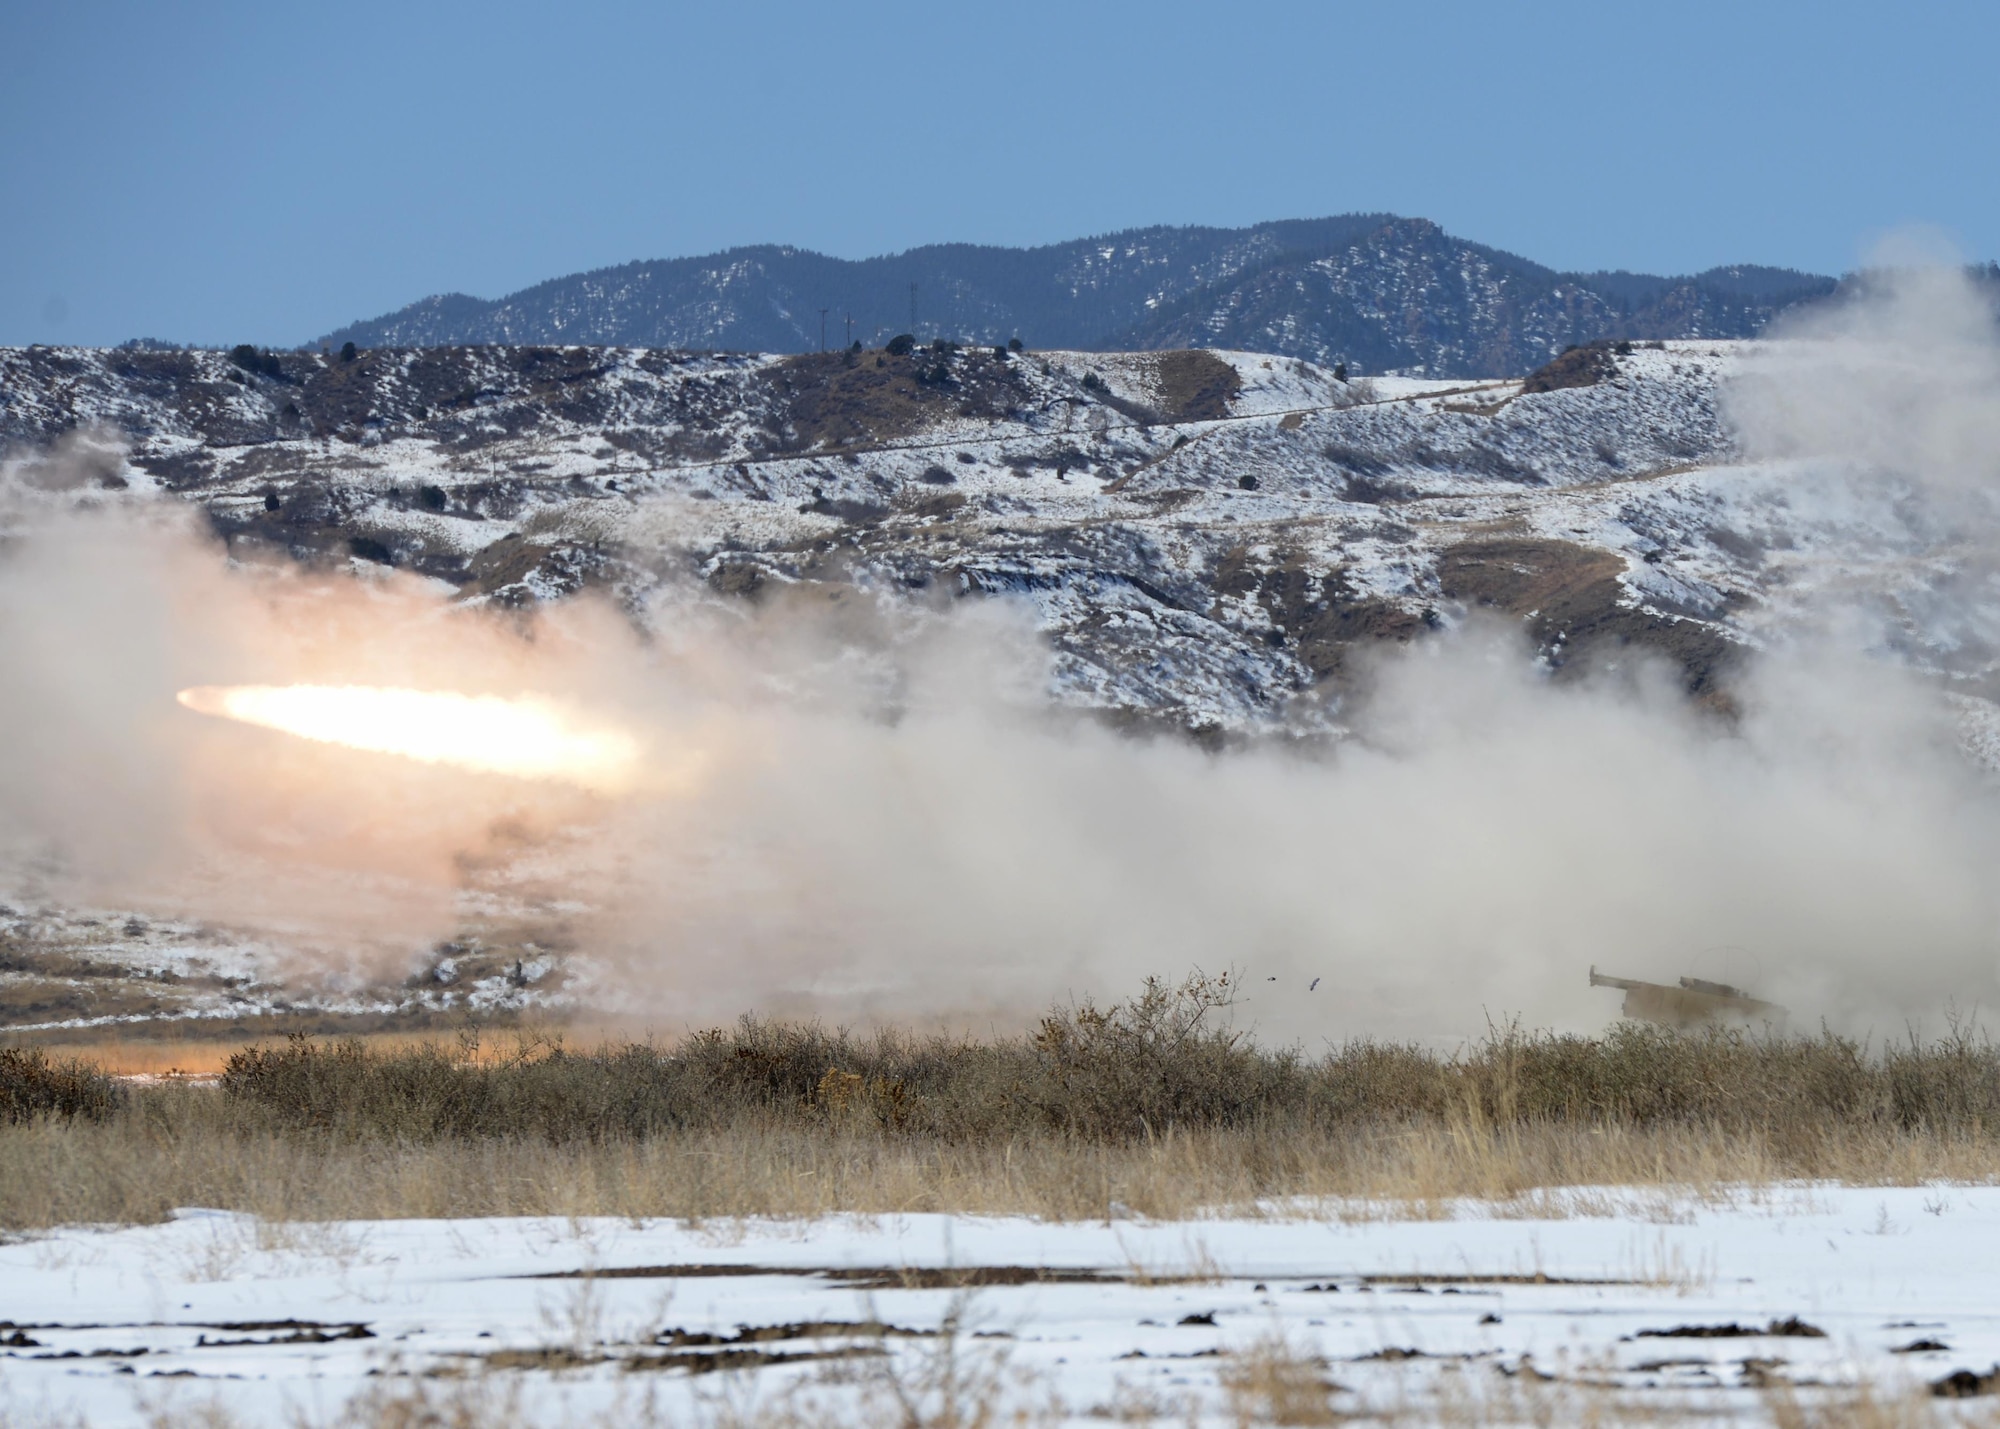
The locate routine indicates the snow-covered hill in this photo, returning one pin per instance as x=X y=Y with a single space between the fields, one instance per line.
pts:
x=1205 y=538
x=1210 y=542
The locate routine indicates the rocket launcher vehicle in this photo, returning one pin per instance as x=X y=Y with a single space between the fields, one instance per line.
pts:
x=1695 y=1003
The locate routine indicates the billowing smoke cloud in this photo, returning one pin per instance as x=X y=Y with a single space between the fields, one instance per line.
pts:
x=106 y=794
x=1889 y=404
x=1484 y=840
x=887 y=820
x=1902 y=381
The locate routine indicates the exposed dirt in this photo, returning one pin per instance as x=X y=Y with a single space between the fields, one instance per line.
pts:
x=37 y=999
x=970 y=1277
x=1556 y=580
x=1318 y=616
x=801 y=1330
x=1790 y=1328
x=44 y=981
x=1578 y=367
x=1572 y=599
x=856 y=1277
x=842 y=400
x=1195 y=385
x=1965 y=1384
x=721 y=1361
x=297 y=1333
x=516 y=571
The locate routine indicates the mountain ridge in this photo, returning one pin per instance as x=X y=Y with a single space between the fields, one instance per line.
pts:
x=1374 y=291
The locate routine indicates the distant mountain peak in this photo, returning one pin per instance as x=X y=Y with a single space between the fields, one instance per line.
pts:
x=1378 y=292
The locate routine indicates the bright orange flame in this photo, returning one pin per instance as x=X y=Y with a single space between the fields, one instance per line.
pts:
x=528 y=737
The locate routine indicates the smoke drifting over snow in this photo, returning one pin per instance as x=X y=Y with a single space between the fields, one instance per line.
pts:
x=1484 y=840
x=1893 y=400
x=348 y=859
x=1901 y=382
x=888 y=821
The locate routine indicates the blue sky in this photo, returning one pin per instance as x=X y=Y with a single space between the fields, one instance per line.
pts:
x=264 y=172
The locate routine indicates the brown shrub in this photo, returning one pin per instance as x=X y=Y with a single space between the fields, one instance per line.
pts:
x=32 y=1086
x=1584 y=366
x=1155 y=1103
x=1163 y=1061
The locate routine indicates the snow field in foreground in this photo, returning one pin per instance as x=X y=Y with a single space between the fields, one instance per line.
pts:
x=271 y=1320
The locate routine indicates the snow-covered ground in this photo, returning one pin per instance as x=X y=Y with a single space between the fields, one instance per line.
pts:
x=1585 y=1293
x=74 y=966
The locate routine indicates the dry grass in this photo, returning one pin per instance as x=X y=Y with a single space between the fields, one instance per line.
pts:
x=1473 y=1398
x=141 y=1052
x=33 y=1088
x=1148 y=1105
x=949 y=1381
x=1273 y=1381
x=184 y=1150
x=177 y=1146
x=954 y=1383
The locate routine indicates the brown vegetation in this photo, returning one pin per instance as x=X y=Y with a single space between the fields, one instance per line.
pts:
x=849 y=401
x=1319 y=616
x=49 y=978
x=1575 y=604
x=1584 y=366
x=954 y=1380
x=1195 y=385
x=1150 y=1103
x=32 y=1087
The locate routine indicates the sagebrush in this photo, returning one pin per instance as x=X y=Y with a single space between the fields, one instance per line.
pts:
x=1155 y=1104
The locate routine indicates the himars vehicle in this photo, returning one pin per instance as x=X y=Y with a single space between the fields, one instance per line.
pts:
x=1695 y=1003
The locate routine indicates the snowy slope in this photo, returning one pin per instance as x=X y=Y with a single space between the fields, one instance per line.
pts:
x=1206 y=541
x=1257 y=531
x=1552 y=1311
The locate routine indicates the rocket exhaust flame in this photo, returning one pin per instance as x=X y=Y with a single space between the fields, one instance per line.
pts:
x=527 y=737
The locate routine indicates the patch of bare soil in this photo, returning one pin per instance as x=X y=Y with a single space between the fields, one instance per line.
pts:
x=846 y=400
x=778 y=1334
x=1790 y=1328
x=1965 y=1384
x=1571 y=597
x=33 y=1000
x=877 y=1277
x=516 y=571
x=740 y=576
x=970 y=1277
x=44 y=983
x=933 y=505
x=298 y=1332
x=1195 y=385
x=701 y=1352
x=723 y=1361
x=1319 y=616
x=1579 y=367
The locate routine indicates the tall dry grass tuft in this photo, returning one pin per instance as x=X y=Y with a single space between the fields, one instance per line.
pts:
x=1269 y=1383
x=1152 y=1104
x=33 y=1087
x=1273 y=1381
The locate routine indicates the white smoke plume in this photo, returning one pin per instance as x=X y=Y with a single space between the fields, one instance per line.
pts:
x=1899 y=381
x=889 y=822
